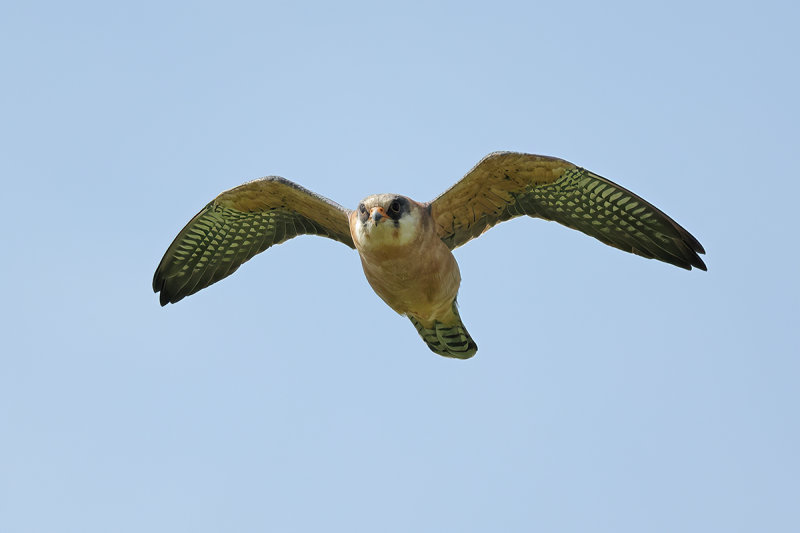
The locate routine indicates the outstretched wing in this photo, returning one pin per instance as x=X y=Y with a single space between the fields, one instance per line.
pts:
x=504 y=185
x=238 y=224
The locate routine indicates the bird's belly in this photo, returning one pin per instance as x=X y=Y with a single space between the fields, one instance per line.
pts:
x=424 y=287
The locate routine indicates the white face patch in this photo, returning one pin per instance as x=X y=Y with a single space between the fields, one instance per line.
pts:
x=408 y=227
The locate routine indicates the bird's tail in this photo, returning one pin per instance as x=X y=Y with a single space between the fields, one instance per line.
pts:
x=449 y=340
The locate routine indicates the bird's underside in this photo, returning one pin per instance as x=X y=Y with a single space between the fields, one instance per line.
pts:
x=394 y=235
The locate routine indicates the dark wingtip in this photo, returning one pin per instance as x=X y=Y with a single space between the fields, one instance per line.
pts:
x=160 y=288
x=699 y=247
x=699 y=264
x=163 y=297
x=691 y=260
x=695 y=249
x=692 y=248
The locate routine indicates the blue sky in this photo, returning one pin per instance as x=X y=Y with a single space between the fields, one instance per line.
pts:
x=609 y=393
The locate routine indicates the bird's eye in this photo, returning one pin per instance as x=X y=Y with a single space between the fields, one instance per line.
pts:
x=362 y=208
x=394 y=207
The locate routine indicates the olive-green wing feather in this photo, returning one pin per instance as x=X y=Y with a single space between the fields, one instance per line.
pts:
x=504 y=185
x=238 y=224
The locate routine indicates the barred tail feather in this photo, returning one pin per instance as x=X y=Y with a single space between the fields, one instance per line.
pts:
x=449 y=340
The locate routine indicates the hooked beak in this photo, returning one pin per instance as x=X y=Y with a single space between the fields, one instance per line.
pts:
x=377 y=213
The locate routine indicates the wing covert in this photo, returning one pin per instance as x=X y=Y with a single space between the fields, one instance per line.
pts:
x=240 y=223
x=504 y=185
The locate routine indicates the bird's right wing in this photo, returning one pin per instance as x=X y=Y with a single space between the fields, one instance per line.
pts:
x=238 y=224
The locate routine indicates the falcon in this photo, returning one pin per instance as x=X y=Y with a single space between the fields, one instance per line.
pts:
x=406 y=246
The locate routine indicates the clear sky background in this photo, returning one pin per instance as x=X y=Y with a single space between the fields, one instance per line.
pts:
x=609 y=393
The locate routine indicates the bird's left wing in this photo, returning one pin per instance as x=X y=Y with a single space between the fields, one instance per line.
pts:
x=504 y=185
x=238 y=224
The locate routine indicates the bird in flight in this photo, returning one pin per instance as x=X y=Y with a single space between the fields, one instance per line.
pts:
x=406 y=246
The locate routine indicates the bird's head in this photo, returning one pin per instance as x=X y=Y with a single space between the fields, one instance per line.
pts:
x=386 y=220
